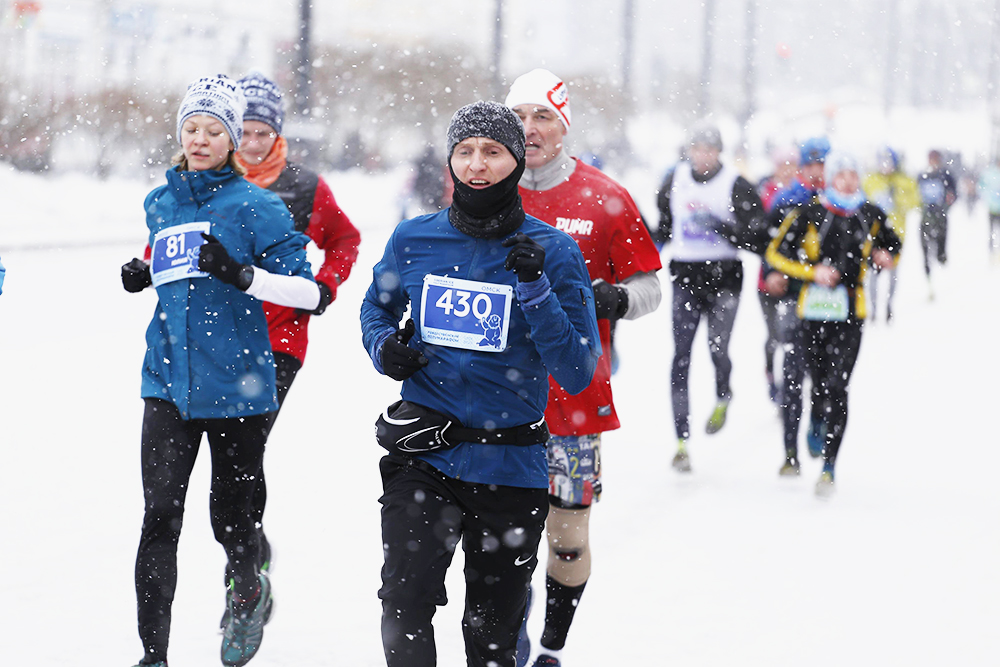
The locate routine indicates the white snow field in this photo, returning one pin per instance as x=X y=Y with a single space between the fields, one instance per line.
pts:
x=730 y=565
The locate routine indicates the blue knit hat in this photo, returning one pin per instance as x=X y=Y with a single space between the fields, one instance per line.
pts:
x=216 y=96
x=814 y=151
x=263 y=100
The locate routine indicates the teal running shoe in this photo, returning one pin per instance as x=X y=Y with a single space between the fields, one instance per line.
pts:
x=243 y=634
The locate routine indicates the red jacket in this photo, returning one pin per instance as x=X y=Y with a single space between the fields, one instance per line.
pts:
x=601 y=216
x=326 y=224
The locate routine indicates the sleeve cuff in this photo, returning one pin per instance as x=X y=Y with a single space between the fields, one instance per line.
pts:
x=377 y=352
x=533 y=293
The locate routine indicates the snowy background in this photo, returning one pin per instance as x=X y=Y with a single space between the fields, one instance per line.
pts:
x=730 y=565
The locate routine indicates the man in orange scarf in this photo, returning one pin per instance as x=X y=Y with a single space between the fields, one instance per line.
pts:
x=264 y=154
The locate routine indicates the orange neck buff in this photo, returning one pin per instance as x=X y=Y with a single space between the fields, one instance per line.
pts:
x=267 y=172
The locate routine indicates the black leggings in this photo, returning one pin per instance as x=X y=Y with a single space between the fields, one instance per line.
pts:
x=778 y=310
x=711 y=291
x=169 y=449
x=934 y=236
x=425 y=514
x=286 y=368
x=828 y=352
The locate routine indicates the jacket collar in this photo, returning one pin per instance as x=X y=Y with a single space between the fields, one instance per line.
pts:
x=198 y=186
x=550 y=175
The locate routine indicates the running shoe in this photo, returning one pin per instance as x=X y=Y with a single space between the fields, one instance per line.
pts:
x=681 y=462
x=791 y=468
x=243 y=634
x=718 y=418
x=267 y=558
x=824 y=487
x=545 y=660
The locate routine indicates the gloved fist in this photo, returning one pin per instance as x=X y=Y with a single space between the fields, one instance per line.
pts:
x=610 y=301
x=326 y=297
x=135 y=276
x=214 y=259
x=400 y=361
x=526 y=257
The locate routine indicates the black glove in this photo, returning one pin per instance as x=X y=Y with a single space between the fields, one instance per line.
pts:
x=398 y=360
x=610 y=301
x=526 y=257
x=135 y=276
x=213 y=258
x=325 y=299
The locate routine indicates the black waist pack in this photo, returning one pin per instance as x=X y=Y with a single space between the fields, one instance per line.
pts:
x=409 y=428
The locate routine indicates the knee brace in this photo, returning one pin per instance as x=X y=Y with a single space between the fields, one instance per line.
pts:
x=569 y=545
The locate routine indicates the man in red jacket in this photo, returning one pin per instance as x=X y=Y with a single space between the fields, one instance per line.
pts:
x=601 y=216
x=264 y=154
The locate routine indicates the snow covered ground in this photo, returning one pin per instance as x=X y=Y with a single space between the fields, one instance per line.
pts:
x=730 y=565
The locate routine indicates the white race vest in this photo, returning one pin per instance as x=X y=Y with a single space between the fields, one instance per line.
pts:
x=690 y=203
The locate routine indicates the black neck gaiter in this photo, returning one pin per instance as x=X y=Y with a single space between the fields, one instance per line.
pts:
x=489 y=213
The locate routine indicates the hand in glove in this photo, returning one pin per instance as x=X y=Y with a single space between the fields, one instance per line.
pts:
x=326 y=297
x=526 y=257
x=213 y=258
x=135 y=276
x=400 y=361
x=610 y=301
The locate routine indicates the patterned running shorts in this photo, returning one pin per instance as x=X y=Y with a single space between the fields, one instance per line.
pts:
x=575 y=468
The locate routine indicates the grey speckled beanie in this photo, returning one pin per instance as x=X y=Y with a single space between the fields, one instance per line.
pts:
x=487 y=119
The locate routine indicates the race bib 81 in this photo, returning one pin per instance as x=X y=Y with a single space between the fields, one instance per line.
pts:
x=466 y=314
x=175 y=253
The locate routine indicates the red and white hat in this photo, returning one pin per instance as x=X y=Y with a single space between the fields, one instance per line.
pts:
x=541 y=88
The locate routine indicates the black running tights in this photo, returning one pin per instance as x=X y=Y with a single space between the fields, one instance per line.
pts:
x=828 y=352
x=424 y=516
x=169 y=449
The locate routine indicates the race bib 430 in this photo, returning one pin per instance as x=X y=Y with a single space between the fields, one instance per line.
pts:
x=465 y=313
x=175 y=253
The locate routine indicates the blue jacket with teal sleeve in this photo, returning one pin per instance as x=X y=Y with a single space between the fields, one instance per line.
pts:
x=207 y=349
x=557 y=335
